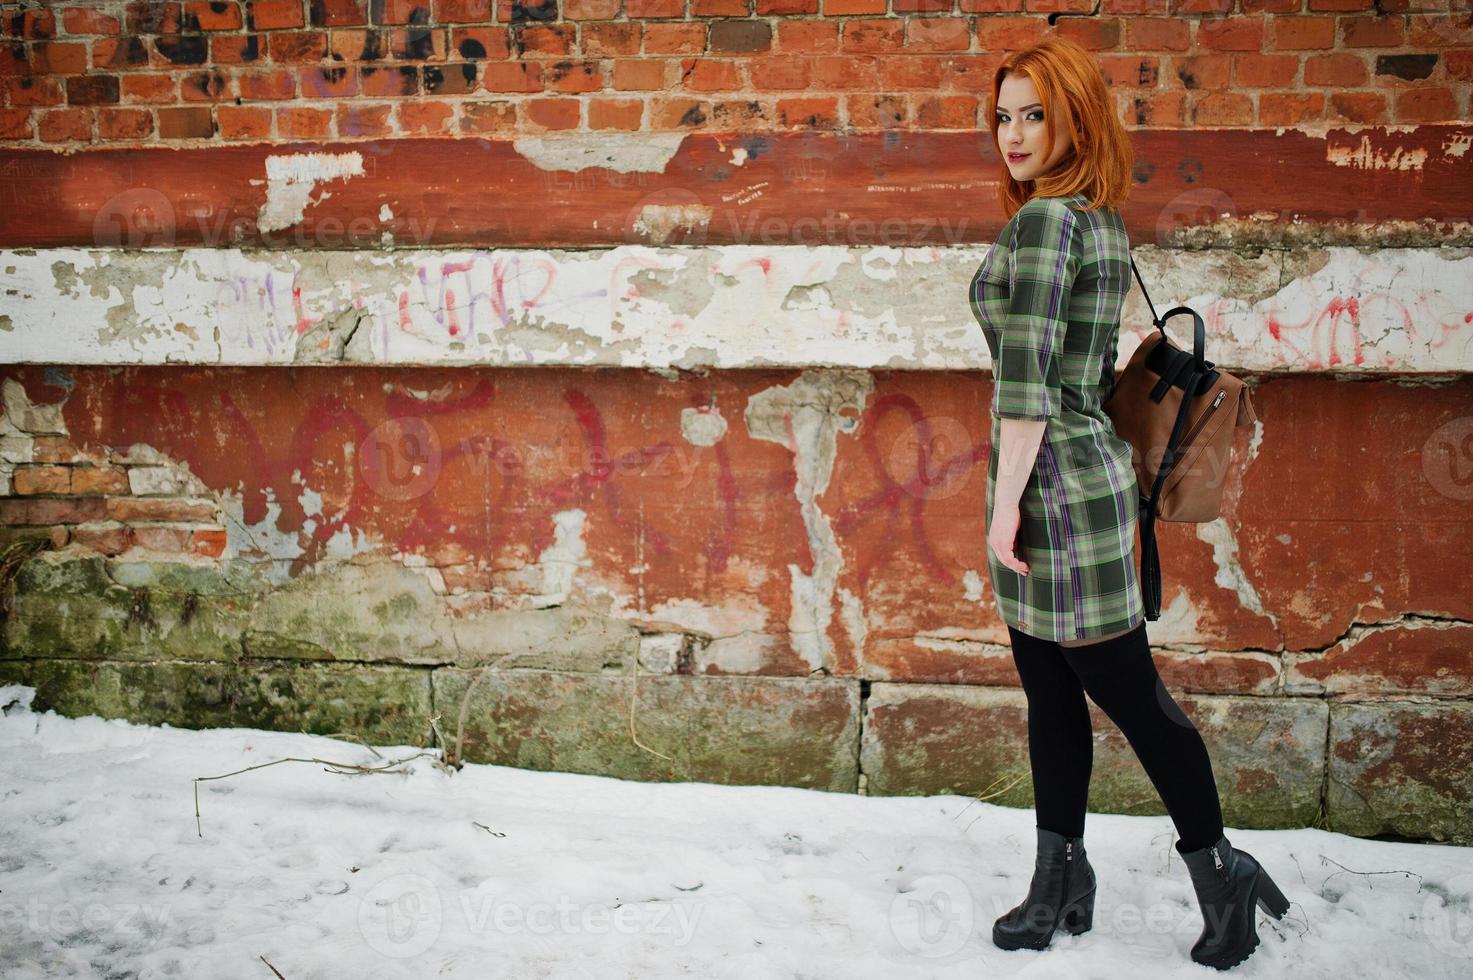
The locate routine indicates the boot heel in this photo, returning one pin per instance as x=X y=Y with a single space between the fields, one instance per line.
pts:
x=1080 y=916
x=1270 y=899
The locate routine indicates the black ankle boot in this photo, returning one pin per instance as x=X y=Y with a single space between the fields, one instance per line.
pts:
x=1062 y=894
x=1229 y=883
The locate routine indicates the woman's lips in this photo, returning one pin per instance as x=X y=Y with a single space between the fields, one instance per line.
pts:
x=1015 y=157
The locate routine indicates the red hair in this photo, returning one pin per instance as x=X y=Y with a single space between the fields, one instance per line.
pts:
x=1074 y=94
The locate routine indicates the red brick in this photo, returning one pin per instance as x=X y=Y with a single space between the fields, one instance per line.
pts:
x=119 y=53
x=1222 y=109
x=1130 y=71
x=152 y=89
x=1459 y=64
x=400 y=11
x=51 y=510
x=430 y=118
x=739 y=116
x=1340 y=4
x=492 y=42
x=1265 y=70
x=645 y=75
x=456 y=79
x=488 y=117
x=739 y=36
x=1201 y=6
x=1339 y=70
x=54 y=449
x=877 y=111
x=89 y=20
x=1016 y=6
x=1005 y=33
x=327 y=83
x=1157 y=34
x=674 y=38
x=1272 y=6
x=66 y=126
x=1302 y=33
x=152 y=17
x=424 y=43
x=873 y=36
x=778 y=73
x=390 y=82
x=275 y=15
x=551 y=113
x=653 y=9
x=807 y=36
x=338 y=13
x=1231 y=34
x=33 y=24
x=1211 y=72
x=836 y=72
x=709 y=75
x=106 y=540
x=48 y=479
x=300 y=123
x=365 y=121
x=1365 y=107
x=195 y=122
x=946 y=112
x=244 y=122
x=850 y=8
x=1371 y=32
x=57 y=58
x=1289 y=108
x=553 y=40
x=297 y=47
x=124 y=124
x=623 y=114
x=462 y=11
x=93 y=90
x=35 y=91
x=513 y=76
x=1423 y=105
x=206 y=86
x=237 y=49
x=590 y=9
x=100 y=479
x=603 y=40
x=937 y=33
x=214 y=16
x=267 y=86
x=525 y=11
x=679 y=114
x=175 y=540
x=768 y=8
x=1092 y=33
x=15 y=124
x=919 y=7
x=573 y=76
x=168 y=509
x=814 y=113
x=209 y=542
x=1158 y=109
x=721 y=8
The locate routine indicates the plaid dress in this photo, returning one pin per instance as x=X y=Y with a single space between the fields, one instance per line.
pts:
x=1048 y=297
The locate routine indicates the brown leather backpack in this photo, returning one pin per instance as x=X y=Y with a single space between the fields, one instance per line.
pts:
x=1178 y=412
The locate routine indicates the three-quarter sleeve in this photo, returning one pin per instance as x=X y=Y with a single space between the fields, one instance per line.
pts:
x=1043 y=259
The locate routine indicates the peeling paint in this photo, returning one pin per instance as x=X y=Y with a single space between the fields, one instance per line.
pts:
x=659 y=222
x=806 y=417
x=621 y=152
x=702 y=426
x=1364 y=156
x=291 y=178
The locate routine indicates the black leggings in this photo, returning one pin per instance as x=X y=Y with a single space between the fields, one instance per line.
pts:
x=1119 y=676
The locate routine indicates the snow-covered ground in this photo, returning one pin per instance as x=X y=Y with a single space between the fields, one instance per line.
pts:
x=493 y=872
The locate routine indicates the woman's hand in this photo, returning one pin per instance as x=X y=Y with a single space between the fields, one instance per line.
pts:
x=1002 y=537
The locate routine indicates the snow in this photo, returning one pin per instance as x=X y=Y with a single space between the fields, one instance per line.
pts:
x=493 y=871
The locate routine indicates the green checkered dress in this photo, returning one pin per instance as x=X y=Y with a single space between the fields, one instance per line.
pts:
x=1048 y=297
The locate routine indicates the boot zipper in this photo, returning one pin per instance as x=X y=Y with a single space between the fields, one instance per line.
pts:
x=1191 y=433
x=1217 y=862
x=1069 y=850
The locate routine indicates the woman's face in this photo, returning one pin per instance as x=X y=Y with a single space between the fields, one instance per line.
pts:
x=1022 y=129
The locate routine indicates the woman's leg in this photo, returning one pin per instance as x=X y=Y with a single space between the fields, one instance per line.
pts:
x=1120 y=676
x=1060 y=741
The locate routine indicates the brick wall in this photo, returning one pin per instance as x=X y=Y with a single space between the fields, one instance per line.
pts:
x=148 y=71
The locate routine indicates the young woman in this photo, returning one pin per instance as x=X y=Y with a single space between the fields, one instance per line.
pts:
x=1062 y=505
